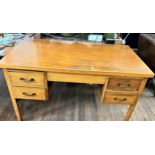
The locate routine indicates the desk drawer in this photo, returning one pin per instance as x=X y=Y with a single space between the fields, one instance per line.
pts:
x=27 y=78
x=30 y=93
x=124 y=84
x=119 y=98
x=77 y=78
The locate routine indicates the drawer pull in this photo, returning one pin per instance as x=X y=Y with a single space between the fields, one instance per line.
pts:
x=26 y=94
x=120 y=99
x=123 y=85
x=27 y=80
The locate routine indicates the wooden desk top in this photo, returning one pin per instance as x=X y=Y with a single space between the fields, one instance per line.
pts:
x=75 y=57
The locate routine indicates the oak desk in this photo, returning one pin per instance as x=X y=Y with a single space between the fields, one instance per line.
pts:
x=119 y=72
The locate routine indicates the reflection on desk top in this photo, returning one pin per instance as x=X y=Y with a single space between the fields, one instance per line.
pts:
x=76 y=57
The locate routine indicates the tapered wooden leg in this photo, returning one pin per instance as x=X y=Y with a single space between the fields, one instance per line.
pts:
x=129 y=112
x=103 y=90
x=14 y=102
x=16 y=109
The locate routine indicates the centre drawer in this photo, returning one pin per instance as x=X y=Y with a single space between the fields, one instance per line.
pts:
x=114 y=98
x=27 y=78
x=124 y=84
x=30 y=93
x=76 y=78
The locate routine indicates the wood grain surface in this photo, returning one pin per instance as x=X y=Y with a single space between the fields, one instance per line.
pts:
x=75 y=57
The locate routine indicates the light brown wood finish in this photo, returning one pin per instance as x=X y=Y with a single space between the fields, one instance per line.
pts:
x=142 y=86
x=81 y=63
x=82 y=103
x=30 y=93
x=75 y=57
x=76 y=78
x=129 y=112
x=27 y=78
x=114 y=98
x=122 y=90
x=103 y=90
x=131 y=107
x=15 y=106
x=124 y=84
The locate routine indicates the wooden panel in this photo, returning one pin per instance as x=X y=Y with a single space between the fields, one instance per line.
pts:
x=30 y=93
x=124 y=84
x=27 y=78
x=120 y=98
x=76 y=57
x=78 y=78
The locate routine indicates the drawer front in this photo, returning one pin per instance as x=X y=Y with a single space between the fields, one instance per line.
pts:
x=119 y=98
x=124 y=84
x=77 y=78
x=27 y=78
x=30 y=93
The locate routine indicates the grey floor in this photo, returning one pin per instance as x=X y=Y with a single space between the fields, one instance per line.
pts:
x=73 y=102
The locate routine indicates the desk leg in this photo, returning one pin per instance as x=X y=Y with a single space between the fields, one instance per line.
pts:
x=129 y=112
x=16 y=109
x=132 y=107
x=103 y=90
x=14 y=102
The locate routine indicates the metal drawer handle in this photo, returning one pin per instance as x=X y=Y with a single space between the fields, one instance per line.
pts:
x=123 y=85
x=27 y=80
x=26 y=94
x=120 y=99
